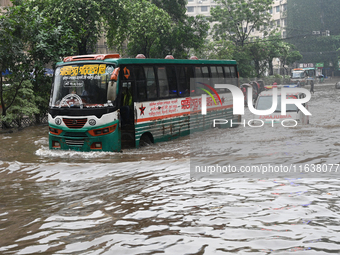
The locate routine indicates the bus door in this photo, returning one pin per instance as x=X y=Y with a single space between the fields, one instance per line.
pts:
x=126 y=105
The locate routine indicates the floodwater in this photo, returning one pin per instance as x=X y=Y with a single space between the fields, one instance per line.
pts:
x=145 y=201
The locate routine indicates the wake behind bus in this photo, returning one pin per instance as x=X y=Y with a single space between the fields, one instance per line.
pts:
x=106 y=103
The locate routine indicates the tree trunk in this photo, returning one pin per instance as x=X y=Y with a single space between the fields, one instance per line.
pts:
x=271 y=69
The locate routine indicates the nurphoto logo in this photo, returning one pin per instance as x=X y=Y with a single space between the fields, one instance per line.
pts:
x=238 y=104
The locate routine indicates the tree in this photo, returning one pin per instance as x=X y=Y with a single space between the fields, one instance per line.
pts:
x=288 y=55
x=237 y=18
x=29 y=43
x=146 y=28
x=307 y=24
x=22 y=103
x=183 y=37
x=48 y=45
x=175 y=8
x=260 y=55
x=216 y=50
x=151 y=30
x=83 y=17
x=12 y=58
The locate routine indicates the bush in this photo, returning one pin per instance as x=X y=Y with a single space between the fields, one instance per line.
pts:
x=23 y=104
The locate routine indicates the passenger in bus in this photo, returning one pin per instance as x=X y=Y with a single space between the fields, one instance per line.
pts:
x=85 y=95
x=127 y=106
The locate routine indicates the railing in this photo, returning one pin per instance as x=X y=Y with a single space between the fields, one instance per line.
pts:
x=26 y=121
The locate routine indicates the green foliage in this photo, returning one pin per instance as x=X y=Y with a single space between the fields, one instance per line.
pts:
x=23 y=102
x=152 y=31
x=12 y=45
x=182 y=37
x=216 y=50
x=51 y=41
x=146 y=28
x=12 y=30
x=306 y=16
x=236 y=19
x=30 y=42
x=83 y=17
x=175 y=8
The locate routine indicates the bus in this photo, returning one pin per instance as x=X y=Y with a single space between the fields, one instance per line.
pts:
x=303 y=75
x=87 y=111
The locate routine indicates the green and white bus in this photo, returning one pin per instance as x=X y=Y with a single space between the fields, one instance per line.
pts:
x=87 y=110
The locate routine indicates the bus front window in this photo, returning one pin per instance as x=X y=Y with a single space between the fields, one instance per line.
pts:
x=83 y=85
x=298 y=75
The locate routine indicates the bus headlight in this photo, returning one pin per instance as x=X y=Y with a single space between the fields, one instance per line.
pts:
x=103 y=131
x=55 y=131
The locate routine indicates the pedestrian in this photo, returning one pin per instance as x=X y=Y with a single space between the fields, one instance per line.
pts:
x=312 y=87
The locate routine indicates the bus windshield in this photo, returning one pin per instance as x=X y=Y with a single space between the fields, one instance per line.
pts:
x=265 y=103
x=81 y=85
x=300 y=74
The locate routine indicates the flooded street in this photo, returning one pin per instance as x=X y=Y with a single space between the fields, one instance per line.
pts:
x=146 y=202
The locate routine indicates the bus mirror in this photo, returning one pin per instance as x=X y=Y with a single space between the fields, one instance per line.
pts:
x=112 y=91
x=114 y=75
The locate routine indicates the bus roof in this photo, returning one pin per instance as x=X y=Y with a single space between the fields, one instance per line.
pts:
x=119 y=61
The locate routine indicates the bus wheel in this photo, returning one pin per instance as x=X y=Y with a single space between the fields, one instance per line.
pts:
x=146 y=139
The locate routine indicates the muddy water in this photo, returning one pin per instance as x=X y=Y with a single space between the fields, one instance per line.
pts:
x=144 y=201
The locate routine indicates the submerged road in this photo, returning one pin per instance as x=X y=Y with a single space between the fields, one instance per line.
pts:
x=145 y=202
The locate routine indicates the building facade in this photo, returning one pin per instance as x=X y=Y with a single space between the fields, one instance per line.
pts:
x=278 y=13
x=4 y=3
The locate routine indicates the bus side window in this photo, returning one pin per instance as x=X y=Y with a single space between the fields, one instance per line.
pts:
x=198 y=72
x=140 y=83
x=220 y=71
x=218 y=78
x=205 y=72
x=183 y=85
x=227 y=72
x=162 y=82
x=199 y=78
x=151 y=86
x=189 y=70
x=233 y=75
x=213 y=71
x=233 y=72
x=171 y=73
x=141 y=90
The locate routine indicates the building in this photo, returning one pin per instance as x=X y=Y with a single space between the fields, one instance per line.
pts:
x=4 y=3
x=278 y=12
